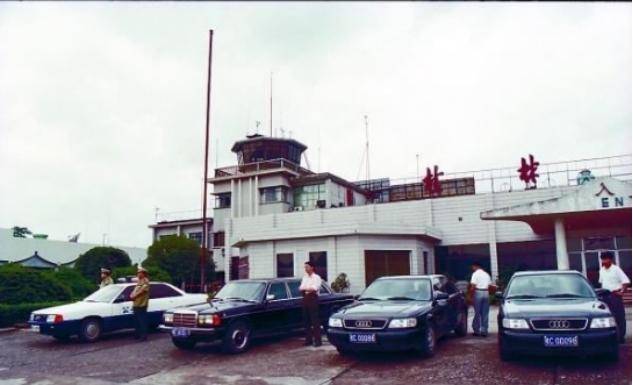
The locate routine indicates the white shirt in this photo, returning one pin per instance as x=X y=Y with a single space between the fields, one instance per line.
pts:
x=612 y=278
x=480 y=279
x=311 y=282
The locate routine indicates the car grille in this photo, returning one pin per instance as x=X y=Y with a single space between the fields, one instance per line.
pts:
x=365 y=323
x=185 y=319
x=559 y=324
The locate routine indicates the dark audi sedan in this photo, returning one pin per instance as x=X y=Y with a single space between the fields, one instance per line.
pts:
x=245 y=309
x=400 y=313
x=554 y=312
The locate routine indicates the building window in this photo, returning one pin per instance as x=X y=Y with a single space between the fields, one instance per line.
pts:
x=285 y=265
x=275 y=194
x=196 y=237
x=218 y=239
x=455 y=261
x=223 y=200
x=308 y=196
x=165 y=236
x=319 y=259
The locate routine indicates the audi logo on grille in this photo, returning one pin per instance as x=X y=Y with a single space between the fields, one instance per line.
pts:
x=559 y=324
x=362 y=324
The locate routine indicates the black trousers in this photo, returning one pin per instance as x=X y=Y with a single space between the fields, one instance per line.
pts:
x=617 y=308
x=311 y=321
x=140 y=322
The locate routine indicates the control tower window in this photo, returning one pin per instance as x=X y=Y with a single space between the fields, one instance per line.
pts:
x=223 y=200
x=273 y=194
x=307 y=196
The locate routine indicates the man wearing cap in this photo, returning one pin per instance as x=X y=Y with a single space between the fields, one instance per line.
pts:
x=106 y=278
x=140 y=298
x=615 y=280
x=310 y=285
x=479 y=286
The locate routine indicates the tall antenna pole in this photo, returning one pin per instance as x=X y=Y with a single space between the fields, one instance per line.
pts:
x=367 y=145
x=417 y=166
x=271 y=104
x=203 y=249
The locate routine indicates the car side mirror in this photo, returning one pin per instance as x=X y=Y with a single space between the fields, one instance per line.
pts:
x=270 y=297
x=499 y=295
x=440 y=295
x=356 y=297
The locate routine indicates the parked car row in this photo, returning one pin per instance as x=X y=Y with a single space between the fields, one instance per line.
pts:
x=550 y=312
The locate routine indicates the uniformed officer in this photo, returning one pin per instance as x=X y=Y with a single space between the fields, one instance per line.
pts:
x=310 y=285
x=140 y=298
x=615 y=280
x=106 y=278
x=479 y=286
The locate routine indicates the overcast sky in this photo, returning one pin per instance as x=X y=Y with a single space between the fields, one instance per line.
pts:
x=102 y=105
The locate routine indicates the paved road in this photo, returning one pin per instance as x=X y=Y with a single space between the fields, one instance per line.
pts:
x=28 y=358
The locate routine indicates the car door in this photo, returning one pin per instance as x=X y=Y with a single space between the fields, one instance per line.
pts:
x=295 y=305
x=161 y=297
x=277 y=306
x=440 y=307
x=122 y=314
x=454 y=302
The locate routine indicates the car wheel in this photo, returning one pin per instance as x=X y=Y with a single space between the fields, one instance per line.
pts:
x=237 y=338
x=504 y=353
x=90 y=330
x=462 y=326
x=184 y=344
x=429 y=339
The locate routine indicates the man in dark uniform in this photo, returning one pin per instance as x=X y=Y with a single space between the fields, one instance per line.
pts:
x=140 y=298
x=310 y=286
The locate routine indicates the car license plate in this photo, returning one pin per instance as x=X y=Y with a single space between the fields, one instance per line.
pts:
x=180 y=332
x=560 y=341
x=35 y=328
x=362 y=338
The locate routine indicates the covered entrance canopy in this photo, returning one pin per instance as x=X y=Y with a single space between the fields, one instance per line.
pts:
x=599 y=204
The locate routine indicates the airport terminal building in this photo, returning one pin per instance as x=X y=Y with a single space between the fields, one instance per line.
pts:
x=272 y=214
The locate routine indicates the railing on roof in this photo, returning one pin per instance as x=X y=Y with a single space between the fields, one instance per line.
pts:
x=182 y=215
x=550 y=174
x=249 y=168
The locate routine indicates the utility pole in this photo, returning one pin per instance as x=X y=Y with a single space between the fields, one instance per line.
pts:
x=417 y=166
x=203 y=248
x=271 y=104
x=367 y=146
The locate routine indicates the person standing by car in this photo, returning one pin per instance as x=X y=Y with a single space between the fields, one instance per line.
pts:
x=615 y=280
x=310 y=285
x=106 y=278
x=140 y=298
x=479 y=286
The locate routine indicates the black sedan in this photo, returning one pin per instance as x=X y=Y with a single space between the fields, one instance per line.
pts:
x=554 y=312
x=400 y=313
x=245 y=309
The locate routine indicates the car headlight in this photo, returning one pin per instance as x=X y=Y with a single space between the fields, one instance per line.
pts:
x=168 y=318
x=398 y=323
x=515 y=323
x=54 y=318
x=603 y=323
x=335 y=322
x=209 y=320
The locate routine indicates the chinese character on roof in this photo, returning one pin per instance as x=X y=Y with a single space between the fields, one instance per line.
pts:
x=432 y=181
x=527 y=172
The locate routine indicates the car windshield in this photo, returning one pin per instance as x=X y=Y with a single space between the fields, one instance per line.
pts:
x=549 y=286
x=248 y=291
x=418 y=289
x=105 y=294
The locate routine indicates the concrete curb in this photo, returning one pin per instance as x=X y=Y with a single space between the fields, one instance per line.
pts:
x=6 y=330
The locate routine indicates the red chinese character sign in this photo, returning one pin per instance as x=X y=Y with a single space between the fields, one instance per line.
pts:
x=432 y=181
x=527 y=172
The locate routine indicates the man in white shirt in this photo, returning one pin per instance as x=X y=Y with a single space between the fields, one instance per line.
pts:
x=479 y=284
x=615 y=280
x=310 y=286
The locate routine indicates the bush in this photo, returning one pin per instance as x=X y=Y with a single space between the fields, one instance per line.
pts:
x=12 y=314
x=155 y=273
x=180 y=258
x=78 y=284
x=91 y=262
x=22 y=285
x=341 y=283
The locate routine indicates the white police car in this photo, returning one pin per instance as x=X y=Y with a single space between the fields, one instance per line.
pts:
x=108 y=309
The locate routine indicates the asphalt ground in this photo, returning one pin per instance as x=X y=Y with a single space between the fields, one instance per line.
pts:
x=29 y=358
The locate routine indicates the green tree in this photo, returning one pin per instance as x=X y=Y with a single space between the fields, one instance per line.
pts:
x=23 y=285
x=179 y=256
x=90 y=263
x=78 y=284
x=21 y=232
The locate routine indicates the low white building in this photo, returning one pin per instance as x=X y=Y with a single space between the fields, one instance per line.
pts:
x=273 y=215
x=47 y=253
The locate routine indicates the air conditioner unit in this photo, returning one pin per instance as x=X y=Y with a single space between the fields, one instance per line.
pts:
x=298 y=208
